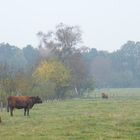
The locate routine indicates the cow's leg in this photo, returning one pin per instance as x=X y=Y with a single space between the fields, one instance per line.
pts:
x=11 y=111
x=25 y=111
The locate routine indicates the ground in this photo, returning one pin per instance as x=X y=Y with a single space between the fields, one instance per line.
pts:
x=116 y=118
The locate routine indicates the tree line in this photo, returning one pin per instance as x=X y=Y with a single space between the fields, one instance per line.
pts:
x=62 y=67
x=119 y=69
x=54 y=70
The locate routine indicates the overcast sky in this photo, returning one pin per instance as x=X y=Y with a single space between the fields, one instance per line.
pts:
x=106 y=24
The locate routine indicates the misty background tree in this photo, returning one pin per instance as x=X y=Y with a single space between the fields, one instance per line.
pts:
x=63 y=50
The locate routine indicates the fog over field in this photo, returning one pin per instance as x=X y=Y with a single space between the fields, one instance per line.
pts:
x=69 y=70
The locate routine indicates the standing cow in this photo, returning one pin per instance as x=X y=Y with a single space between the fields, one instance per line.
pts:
x=21 y=102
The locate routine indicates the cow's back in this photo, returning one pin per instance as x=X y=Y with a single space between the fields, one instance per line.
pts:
x=104 y=95
x=18 y=101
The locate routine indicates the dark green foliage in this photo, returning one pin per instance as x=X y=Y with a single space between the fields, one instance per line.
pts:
x=120 y=68
x=12 y=57
x=32 y=56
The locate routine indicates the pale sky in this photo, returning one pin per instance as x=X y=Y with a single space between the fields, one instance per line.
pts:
x=106 y=24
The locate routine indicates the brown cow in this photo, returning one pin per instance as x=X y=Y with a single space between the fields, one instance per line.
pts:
x=20 y=102
x=104 y=96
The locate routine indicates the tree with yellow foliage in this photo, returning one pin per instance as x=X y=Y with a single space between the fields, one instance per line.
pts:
x=53 y=71
x=23 y=84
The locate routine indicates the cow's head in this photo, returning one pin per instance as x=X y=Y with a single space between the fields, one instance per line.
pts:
x=37 y=100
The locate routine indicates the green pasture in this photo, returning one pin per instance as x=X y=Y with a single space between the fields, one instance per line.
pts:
x=116 y=93
x=116 y=118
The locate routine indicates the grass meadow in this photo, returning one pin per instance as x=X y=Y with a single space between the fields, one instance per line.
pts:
x=89 y=118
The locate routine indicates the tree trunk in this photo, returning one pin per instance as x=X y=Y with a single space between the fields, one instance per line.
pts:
x=76 y=91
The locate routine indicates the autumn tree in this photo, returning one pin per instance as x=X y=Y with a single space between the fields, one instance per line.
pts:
x=7 y=84
x=53 y=72
x=23 y=83
x=65 y=44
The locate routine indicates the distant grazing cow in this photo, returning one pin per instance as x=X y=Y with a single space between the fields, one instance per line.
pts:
x=20 y=102
x=104 y=96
